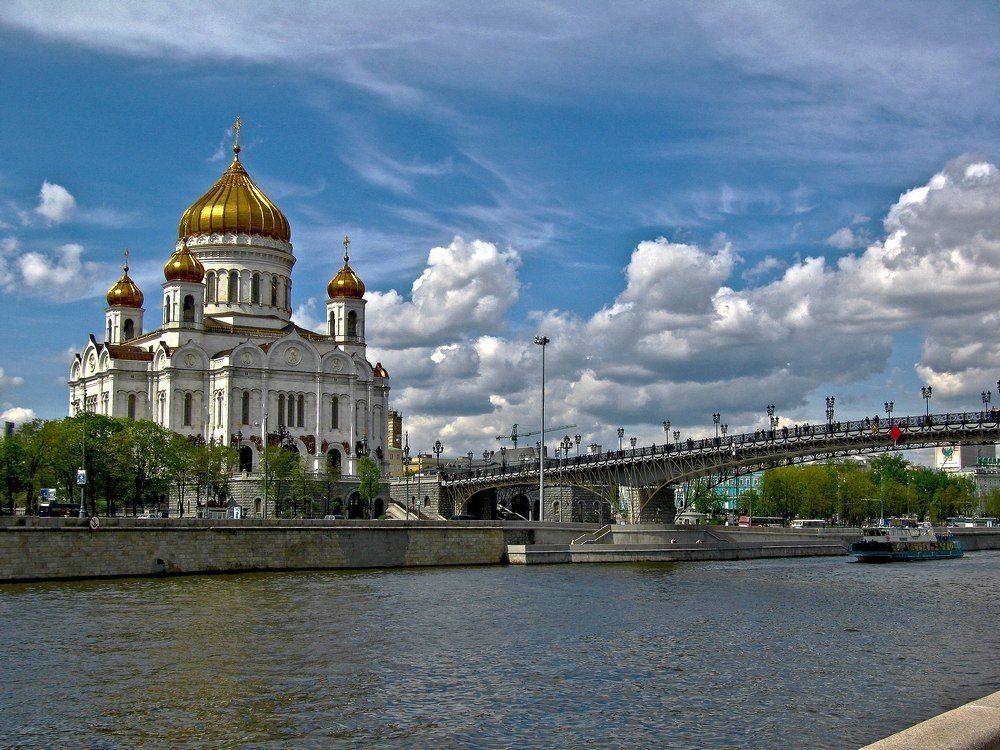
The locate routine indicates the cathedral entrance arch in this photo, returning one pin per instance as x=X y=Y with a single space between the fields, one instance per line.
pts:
x=246 y=458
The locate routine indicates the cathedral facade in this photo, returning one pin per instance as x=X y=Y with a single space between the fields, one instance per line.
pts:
x=226 y=363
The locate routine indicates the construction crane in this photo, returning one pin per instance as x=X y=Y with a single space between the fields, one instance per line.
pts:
x=514 y=434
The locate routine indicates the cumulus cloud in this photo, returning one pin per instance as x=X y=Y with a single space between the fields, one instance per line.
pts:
x=679 y=341
x=466 y=288
x=18 y=415
x=58 y=275
x=56 y=204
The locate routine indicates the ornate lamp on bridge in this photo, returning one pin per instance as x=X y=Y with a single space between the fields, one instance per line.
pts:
x=677 y=438
x=666 y=431
x=987 y=396
x=829 y=412
x=725 y=429
x=438 y=450
x=888 y=410
x=925 y=393
x=771 y=418
x=632 y=441
x=715 y=418
x=577 y=439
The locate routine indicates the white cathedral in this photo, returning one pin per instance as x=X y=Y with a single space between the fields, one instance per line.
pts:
x=226 y=363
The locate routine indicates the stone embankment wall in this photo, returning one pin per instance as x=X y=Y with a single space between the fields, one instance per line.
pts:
x=53 y=548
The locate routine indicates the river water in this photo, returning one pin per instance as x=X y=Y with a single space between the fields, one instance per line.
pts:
x=814 y=652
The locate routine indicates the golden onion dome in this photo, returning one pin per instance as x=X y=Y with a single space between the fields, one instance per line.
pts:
x=234 y=205
x=346 y=283
x=125 y=293
x=380 y=372
x=183 y=266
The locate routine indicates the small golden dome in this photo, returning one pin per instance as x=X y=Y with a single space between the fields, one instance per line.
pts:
x=125 y=293
x=380 y=372
x=346 y=283
x=183 y=266
x=234 y=205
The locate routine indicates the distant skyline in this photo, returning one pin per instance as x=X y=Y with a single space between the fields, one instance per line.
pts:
x=705 y=206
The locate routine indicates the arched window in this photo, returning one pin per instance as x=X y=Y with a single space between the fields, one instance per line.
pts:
x=130 y=408
x=166 y=310
x=302 y=411
x=129 y=330
x=187 y=409
x=334 y=413
x=234 y=286
x=210 y=287
x=281 y=408
x=274 y=291
x=352 y=325
x=245 y=408
x=188 y=315
x=246 y=458
x=255 y=289
x=107 y=336
x=333 y=462
x=332 y=331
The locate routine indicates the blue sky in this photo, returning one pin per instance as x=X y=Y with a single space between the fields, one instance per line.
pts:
x=706 y=206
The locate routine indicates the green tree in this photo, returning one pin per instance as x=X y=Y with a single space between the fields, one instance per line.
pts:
x=138 y=452
x=368 y=485
x=13 y=469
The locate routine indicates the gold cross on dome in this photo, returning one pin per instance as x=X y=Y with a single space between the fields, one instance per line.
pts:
x=236 y=129
x=347 y=247
x=126 y=260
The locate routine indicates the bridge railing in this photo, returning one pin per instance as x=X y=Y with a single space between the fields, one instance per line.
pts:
x=794 y=433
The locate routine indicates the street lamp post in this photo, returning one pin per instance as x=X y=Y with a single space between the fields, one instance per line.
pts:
x=577 y=439
x=406 y=470
x=715 y=418
x=770 y=418
x=621 y=435
x=631 y=441
x=503 y=459
x=677 y=439
x=725 y=430
x=666 y=431
x=542 y=341
x=987 y=396
x=888 y=410
x=829 y=412
x=925 y=393
x=438 y=450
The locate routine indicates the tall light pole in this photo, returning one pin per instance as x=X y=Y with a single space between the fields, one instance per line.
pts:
x=542 y=341
x=987 y=396
x=770 y=418
x=577 y=439
x=621 y=434
x=81 y=476
x=666 y=431
x=715 y=418
x=925 y=393
x=438 y=450
x=677 y=438
x=888 y=410
x=406 y=470
x=631 y=441
x=829 y=412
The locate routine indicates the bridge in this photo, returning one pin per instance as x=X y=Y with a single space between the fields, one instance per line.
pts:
x=648 y=472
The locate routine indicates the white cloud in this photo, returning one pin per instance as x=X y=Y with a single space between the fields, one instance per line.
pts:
x=18 y=415
x=466 y=289
x=56 y=205
x=9 y=381
x=679 y=342
x=57 y=277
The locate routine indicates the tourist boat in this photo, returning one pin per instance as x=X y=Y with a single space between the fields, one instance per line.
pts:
x=901 y=539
